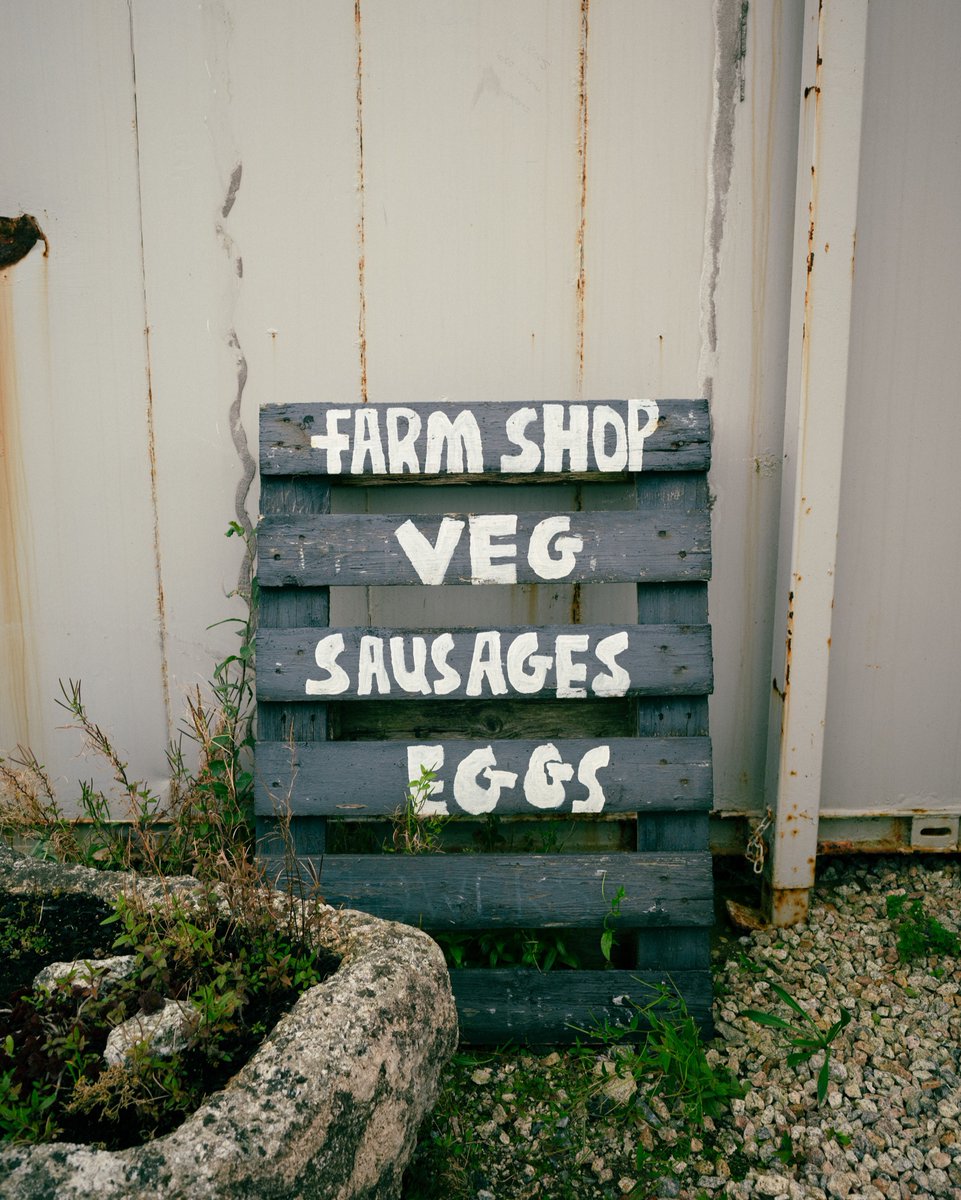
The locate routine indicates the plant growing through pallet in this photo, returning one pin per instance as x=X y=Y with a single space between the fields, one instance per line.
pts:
x=608 y=934
x=415 y=833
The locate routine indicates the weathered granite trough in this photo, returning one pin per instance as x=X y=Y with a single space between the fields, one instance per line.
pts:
x=328 y=1106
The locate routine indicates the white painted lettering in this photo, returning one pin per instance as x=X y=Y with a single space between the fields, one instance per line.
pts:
x=449 y=680
x=430 y=560
x=617 y=681
x=523 y=652
x=453 y=442
x=486 y=664
x=471 y=663
x=560 y=563
x=401 y=450
x=482 y=552
x=325 y=655
x=637 y=434
x=529 y=457
x=468 y=792
x=367 y=443
x=546 y=775
x=371 y=666
x=592 y=762
x=430 y=758
x=415 y=679
x=333 y=441
x=605 y=417
x=569 y=672
x=561 y=439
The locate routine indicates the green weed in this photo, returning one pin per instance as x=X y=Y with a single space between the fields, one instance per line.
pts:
x=209 y=809
x=236 y=950
x=609 y=932
x=631 y=1078
x=414 y=831
x=805 y=1036
x=538 y=949
x=919 y=935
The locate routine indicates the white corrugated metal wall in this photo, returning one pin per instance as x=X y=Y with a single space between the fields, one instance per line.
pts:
x=249 y=202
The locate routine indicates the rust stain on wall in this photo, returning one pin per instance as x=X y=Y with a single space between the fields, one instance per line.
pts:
x=17 y=652
x=148 y=369
x=582 y=128
x=161 y=599
x=361 y=232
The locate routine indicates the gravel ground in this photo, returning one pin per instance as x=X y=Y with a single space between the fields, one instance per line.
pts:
x=889 y=1125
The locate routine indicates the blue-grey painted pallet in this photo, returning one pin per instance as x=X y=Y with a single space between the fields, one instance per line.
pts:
x=556 y=1007
x=491 y=891
x=349 y=550
x=503 y=441
x=561 y=662
x=496 y=747
x=617 y=775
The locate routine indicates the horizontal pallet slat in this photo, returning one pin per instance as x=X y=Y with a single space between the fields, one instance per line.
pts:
x=446 y=891
x=369 y=779
x=553 y=1007
x=580 y=547
x=367 y=439
x=584 y=661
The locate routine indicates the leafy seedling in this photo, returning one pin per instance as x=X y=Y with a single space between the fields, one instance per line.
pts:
x=806 y=1036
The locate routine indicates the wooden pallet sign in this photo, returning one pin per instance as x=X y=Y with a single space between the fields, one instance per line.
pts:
x=578 y=722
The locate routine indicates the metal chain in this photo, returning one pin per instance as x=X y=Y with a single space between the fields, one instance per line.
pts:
x=756 y=846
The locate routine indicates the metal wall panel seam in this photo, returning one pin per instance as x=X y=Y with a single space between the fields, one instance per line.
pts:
x=148 y=370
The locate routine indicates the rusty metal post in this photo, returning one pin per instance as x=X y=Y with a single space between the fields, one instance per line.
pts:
x=832 y=77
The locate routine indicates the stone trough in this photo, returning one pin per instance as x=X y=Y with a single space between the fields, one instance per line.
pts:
x=327 y=1107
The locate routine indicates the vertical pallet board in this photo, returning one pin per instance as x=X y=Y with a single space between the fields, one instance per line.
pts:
x=659 y=777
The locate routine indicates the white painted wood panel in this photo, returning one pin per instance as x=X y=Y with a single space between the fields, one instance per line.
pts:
x=248 y=153
x=471 y=195
x=542 y=209
x=747 y=374
x=893 y=731
x=650 y=70
x=82 y=562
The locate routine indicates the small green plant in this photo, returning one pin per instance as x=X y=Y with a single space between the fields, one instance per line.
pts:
x=235 y=951
x=226 y=952
x=415 y=832
x=210 y=804
x=919 y=935
x=538 y=949
x=639 y=1076
x=785 y=1150
x=608 y=933
x=21 y=935
x=805 y=1036
x=660 y=1046
x=24 y=1106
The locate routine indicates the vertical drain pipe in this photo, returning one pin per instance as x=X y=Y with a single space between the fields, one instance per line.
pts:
x=829 y=138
